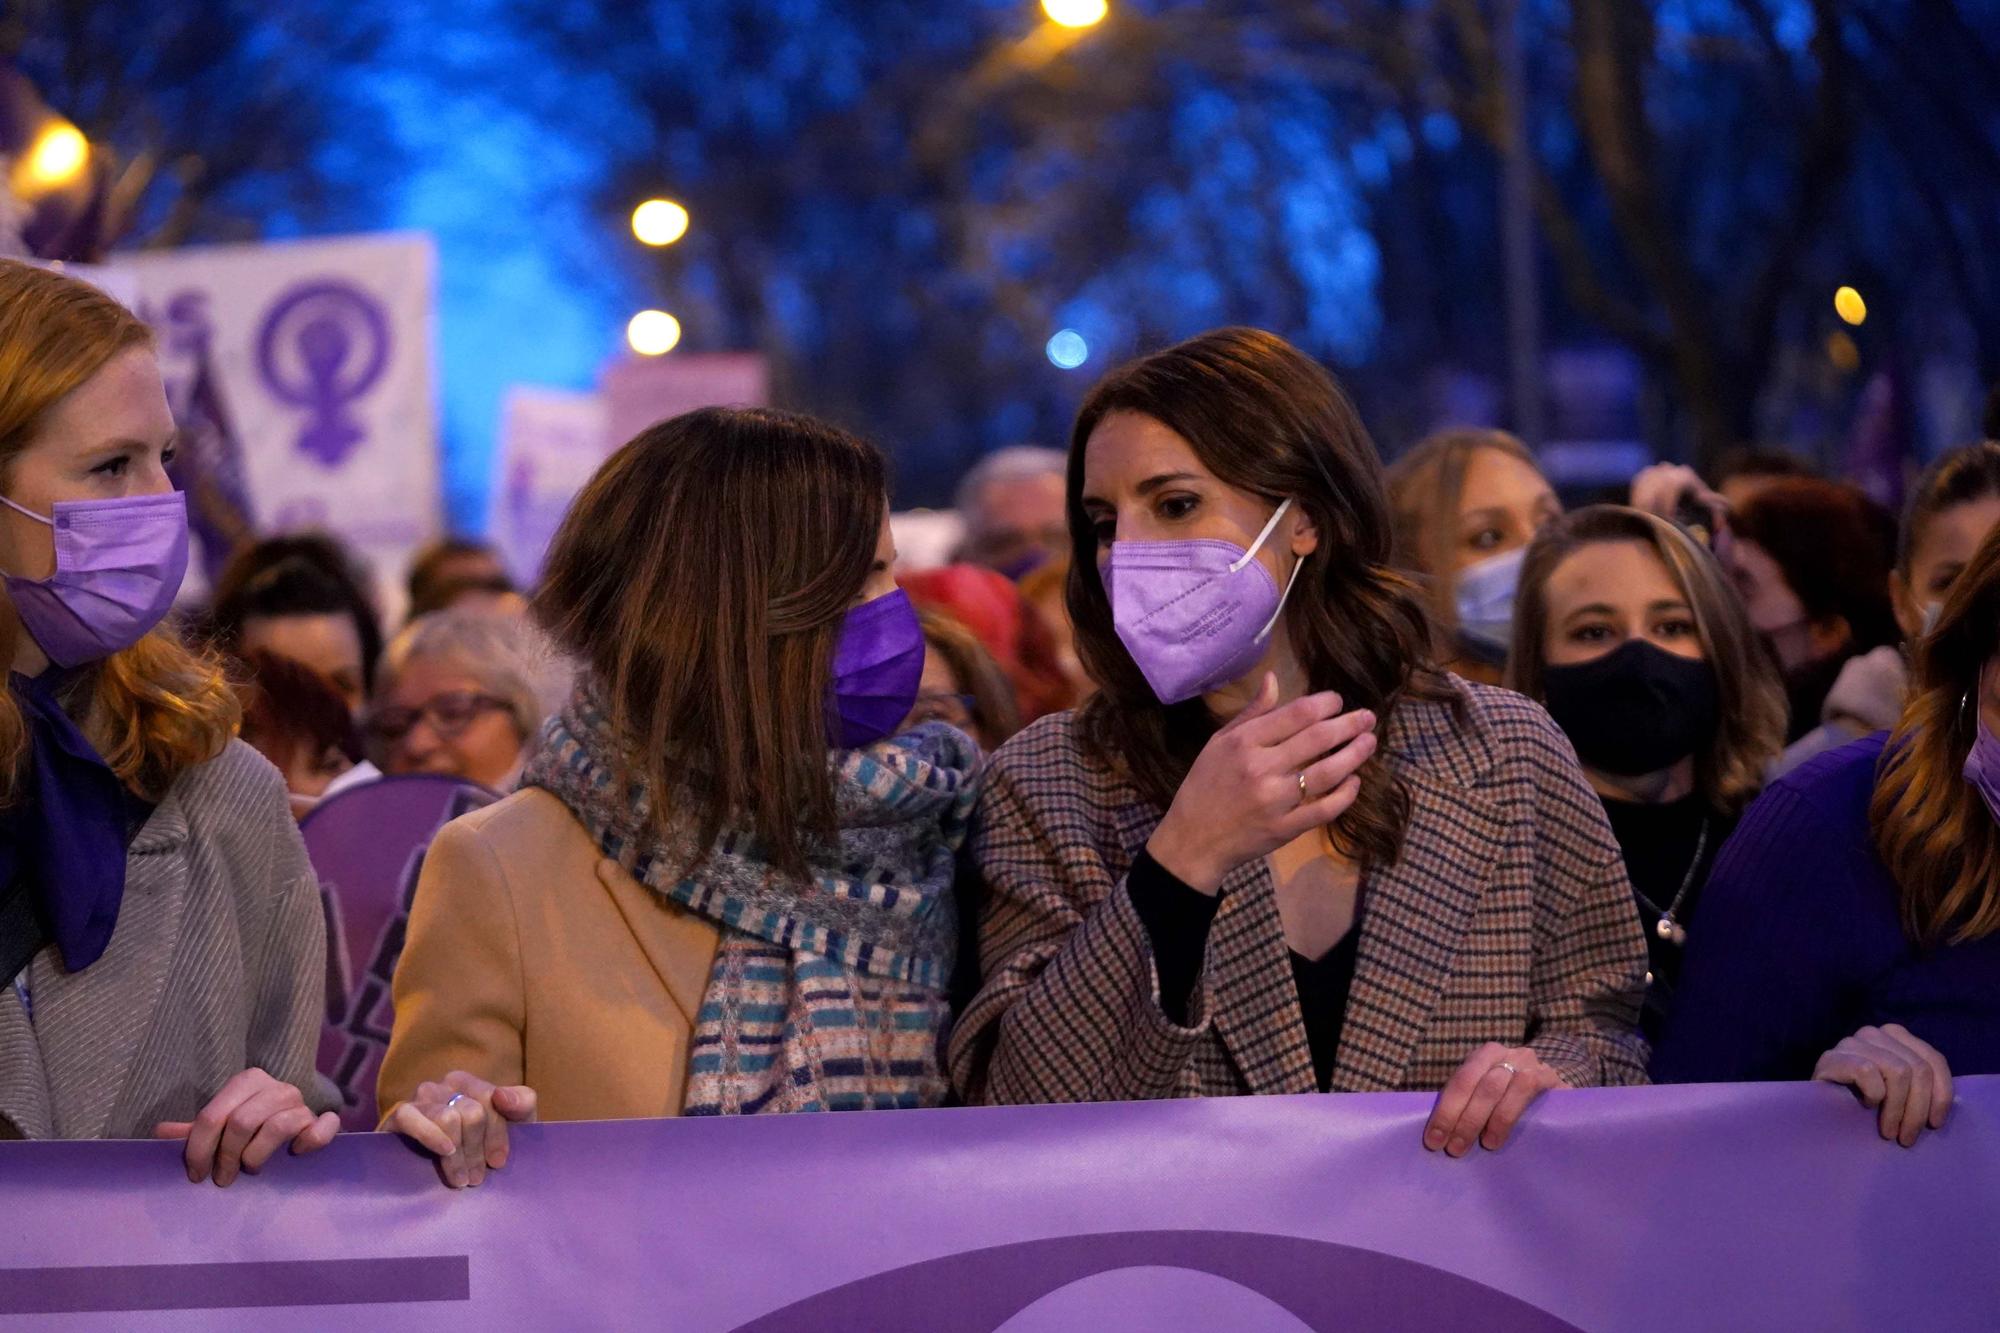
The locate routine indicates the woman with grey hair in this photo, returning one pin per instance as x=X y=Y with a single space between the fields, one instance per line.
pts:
x=463 y=694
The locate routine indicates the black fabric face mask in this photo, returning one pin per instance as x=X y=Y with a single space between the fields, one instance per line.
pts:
x=1634 y=711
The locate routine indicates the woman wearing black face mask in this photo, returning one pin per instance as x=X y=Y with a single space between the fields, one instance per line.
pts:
x=1627 y=631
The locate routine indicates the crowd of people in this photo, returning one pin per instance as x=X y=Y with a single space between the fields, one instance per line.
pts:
x=1224 y=761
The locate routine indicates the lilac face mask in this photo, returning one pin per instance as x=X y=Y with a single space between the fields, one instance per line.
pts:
x=119 y=564
x=1196 y=614
x=877 y=668
x=1982 y=768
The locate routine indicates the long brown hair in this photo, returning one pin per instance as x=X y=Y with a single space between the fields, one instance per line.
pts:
x=1750 y=698
x=701 y=577
x=155 y=709
x=1425 y=487
x=1264 y=418
x=1931 y=826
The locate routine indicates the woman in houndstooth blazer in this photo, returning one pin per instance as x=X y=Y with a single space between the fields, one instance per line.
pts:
x=1279 y=850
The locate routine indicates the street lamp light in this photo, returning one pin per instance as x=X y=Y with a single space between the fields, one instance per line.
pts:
x=56 y=158
x=653 y=333
x=1847 y=303
x=659 y=222
x=1076 y=13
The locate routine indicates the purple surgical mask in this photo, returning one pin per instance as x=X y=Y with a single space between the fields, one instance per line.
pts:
x=119 y=564
x=1982 y=768
x=1196 y=614
x=877 y=667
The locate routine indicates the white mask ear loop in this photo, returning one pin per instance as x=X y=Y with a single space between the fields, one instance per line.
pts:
x=1262 y=537
x=1283 y=597
x=50 y=522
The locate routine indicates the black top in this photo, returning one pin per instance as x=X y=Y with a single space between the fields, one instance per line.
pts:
x=1659 y=844
x=1323 y=987
x=1177 y=919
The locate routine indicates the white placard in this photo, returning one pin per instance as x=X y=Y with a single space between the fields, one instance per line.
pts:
x=321 y=358
x=639 y=391
x=551 y=441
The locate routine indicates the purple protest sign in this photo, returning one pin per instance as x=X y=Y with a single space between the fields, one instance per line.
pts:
x=1768 y=1206
x=322 y=346
x=367 y=846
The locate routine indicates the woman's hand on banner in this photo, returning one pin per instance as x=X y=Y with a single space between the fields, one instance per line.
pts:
x=245 y=1124
x=462 y=1121
x=1484 y=1099
x=1896 y=1072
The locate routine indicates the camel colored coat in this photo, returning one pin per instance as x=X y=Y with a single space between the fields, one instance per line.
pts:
x=534 y=959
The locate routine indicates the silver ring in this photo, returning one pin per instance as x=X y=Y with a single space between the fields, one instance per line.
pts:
x=1503 y=1064
x=456 y=1098
x=1304 y=796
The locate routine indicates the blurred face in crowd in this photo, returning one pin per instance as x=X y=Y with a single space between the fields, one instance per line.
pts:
x=942 y=697
x=1607 y=594
x=1046 y=595
x=471 y=567
x=1777 y=614
x=488 y=602
x=329 y=643
x=438 y=718
x=109 y=439
x=1018 y=523
x=1502 y=504
x=307 y=775
x=1943 y=548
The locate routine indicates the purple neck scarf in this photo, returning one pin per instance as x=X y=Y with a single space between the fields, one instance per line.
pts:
x=67 y=838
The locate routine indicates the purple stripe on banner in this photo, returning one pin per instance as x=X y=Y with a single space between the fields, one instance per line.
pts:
x=234 y=1286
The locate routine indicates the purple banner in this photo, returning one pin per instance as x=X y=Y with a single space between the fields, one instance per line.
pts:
x=1757 y=1207
x=367 y=846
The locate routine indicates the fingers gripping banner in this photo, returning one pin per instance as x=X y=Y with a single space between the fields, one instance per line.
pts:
x=1761 y=1207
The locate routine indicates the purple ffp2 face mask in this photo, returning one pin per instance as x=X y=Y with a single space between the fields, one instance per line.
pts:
x=119 y=565
x=877 y=668
x=1196 y=614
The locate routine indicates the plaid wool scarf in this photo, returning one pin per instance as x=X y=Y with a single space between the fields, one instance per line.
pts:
x=826 y=994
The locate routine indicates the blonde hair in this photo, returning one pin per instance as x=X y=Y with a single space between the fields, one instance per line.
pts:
x=156 y=709
x=1750 y=699
x=1425 y=486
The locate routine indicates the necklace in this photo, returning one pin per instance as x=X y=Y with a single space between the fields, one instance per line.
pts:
x=1669 y=927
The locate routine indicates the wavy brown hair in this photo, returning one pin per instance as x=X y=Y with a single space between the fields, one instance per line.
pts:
x=1266 y=419
x=1931 y=826
x=1425 y=486
x=701 y=577
x=1750 y=698
x=157 y=708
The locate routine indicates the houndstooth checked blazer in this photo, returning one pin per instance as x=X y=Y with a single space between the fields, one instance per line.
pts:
x=1508 y=919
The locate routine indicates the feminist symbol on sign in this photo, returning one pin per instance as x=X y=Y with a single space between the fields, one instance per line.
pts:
x=322 y=346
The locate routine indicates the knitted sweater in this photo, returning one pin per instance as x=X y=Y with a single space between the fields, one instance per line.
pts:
x=1800 y=944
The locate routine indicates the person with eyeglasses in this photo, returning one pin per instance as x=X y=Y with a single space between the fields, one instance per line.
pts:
x=463 y=694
